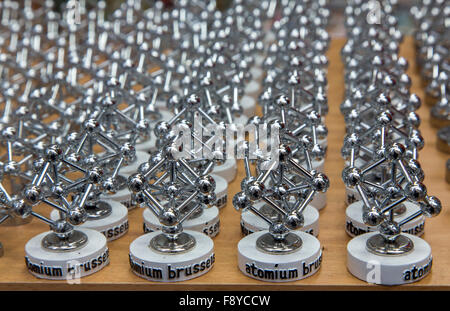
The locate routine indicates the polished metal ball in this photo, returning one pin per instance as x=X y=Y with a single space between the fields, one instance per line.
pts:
x=317 y=152
x=90 y=160
x=58 y=189
x=193 y=101
x=77 y=216
x=320 y=182
x=95 y=175
x=172 y=151
x=395 y=151
x=280 y=191
x=21 y=208
x=208 y=198
x=9 y=133
x=128 y=152
x=321 y=131
x=416 y=191
x=53 y=153
x=278 y=229
x=136 y=183
x=11 y=168
x=384 y=118
x=383 y=101
x=169 y=218
x=351 y=176
x=306 y=141
x=161 y=129
x=282 y=101
x=110 y=185
x=171 y=189
x=314 y=118
x=284 y=153
x=294 y=221
x=205 y=184
x=91 y=126
x=255 y=190
x=372 y=217
x=32 y=194
x=431 y=206
x=143 y=127
x=240 y=201
x=414 y=102
x=417 y=141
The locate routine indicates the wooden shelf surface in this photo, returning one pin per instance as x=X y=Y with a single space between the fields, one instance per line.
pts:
x=225 y=275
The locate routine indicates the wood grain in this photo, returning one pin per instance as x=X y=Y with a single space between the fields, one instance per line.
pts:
x=225 y=275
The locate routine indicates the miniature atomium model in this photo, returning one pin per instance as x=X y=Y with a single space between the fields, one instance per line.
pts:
x=66 y=251
x=16 y=169
x=223 y=106
x=172 y=254
x=287 y=185
x=281 y=253
x=104 y=207
x=296 y=121
x=305 y=133
x=115 y=127
x=364 y=143
x=10 y=170
x=202 y=163
x=400 y=257
x=380 y=174
x=194 y=115
x=204 y=220
x=306 y=90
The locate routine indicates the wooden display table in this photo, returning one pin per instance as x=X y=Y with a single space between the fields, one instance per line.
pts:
x=225 y=275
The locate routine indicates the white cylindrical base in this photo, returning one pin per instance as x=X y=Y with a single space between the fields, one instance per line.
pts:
x=259 y=59
x=297 y=265
x=354 y=224
x=248 y=105
x=226 y=170
x=113 y=226
x=251 y=223
x=147 y=146
x=208 y=222
x=122 y=196
x=70 y=265
x=251 y=88
x=388 y=270
x=319 y=201
x=319 y=165
x=154 y=266
x=256 y=72
x=351 y=195
x=270 y=37
x=221 y=191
